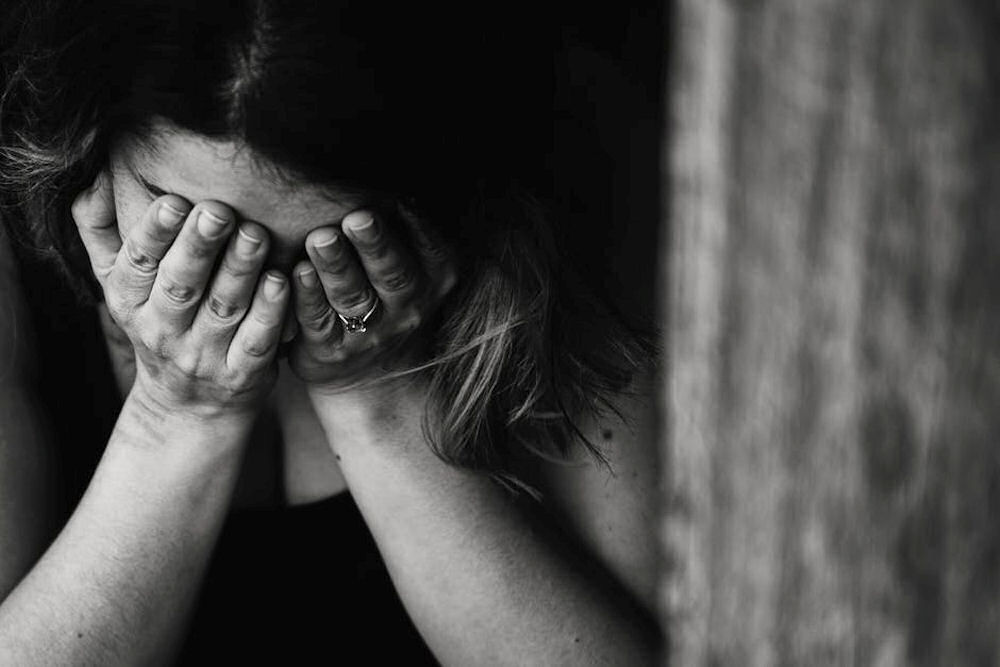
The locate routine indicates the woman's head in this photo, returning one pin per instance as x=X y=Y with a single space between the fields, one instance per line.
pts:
x=391 y=98
x=295 y=111
x=394 y=96
x=171 y=160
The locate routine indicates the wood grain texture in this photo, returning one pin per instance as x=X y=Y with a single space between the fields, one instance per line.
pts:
x=833 y=260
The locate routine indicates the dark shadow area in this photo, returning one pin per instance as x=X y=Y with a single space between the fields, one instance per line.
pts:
x=609 y=115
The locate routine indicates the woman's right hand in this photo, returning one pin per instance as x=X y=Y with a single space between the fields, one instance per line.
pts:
x=204 y=339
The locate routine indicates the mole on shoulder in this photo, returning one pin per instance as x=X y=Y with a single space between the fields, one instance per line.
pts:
x=607 y=434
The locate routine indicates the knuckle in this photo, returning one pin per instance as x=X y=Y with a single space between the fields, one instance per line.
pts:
x=139 y=259
x=223 y=308
x=255 y=347
x=189 y=366
x=437 y=254
x=154 y=341
x=397 y=280
x=178 y=292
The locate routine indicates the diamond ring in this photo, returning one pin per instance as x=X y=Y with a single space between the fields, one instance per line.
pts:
x=356 y=324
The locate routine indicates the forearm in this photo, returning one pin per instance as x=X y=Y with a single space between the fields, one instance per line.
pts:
x=117 y=584
x=481 y=582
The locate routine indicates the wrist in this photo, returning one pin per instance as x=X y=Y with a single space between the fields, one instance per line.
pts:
x=376 y=415
x=148 y=399
x=401 y=371
x=193 y=459
x=150 y=421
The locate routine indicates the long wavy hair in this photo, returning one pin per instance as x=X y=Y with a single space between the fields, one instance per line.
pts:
x=448 y=110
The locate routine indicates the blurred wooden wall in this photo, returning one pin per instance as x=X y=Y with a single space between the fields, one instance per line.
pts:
x=832 y=315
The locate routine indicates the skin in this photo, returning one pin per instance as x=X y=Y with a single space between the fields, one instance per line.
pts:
x=285 y=217
x=145 y=526
x=486 y=580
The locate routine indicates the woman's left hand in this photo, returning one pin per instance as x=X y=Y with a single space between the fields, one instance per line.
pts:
x=366 y=290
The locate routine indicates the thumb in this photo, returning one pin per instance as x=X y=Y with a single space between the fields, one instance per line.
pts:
x=93 y=211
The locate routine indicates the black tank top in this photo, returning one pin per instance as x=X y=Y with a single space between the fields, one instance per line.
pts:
x=298 y=586
x=295 y=585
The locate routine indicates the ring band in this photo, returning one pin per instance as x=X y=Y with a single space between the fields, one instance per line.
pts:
x=355 y=324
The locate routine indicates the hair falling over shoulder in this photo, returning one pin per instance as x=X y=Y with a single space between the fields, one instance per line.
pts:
x=525 y=349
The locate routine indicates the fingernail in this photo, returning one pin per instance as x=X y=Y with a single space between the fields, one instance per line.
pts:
x=168 y=215
x=308 y=277
x=364 y=228
x=210 y=225
x=246 y=243
x=273 y=285
x=328 y=248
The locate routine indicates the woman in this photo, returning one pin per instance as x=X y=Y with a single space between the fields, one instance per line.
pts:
x=315 y=239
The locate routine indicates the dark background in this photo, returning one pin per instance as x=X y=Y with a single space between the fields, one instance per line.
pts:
x=608 y=118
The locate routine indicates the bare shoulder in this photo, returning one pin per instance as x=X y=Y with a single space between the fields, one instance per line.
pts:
x=612 y=508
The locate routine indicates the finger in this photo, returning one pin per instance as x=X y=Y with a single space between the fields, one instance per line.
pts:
x=184 y=272
x=93 y=210
x=390 y=267
x=232 y=288
x=434 y=253
x=256 y=340
x=142 y=250
x=318 y=323
x=343 y=279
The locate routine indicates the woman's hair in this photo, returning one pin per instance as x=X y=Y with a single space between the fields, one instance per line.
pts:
x=448 y=110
